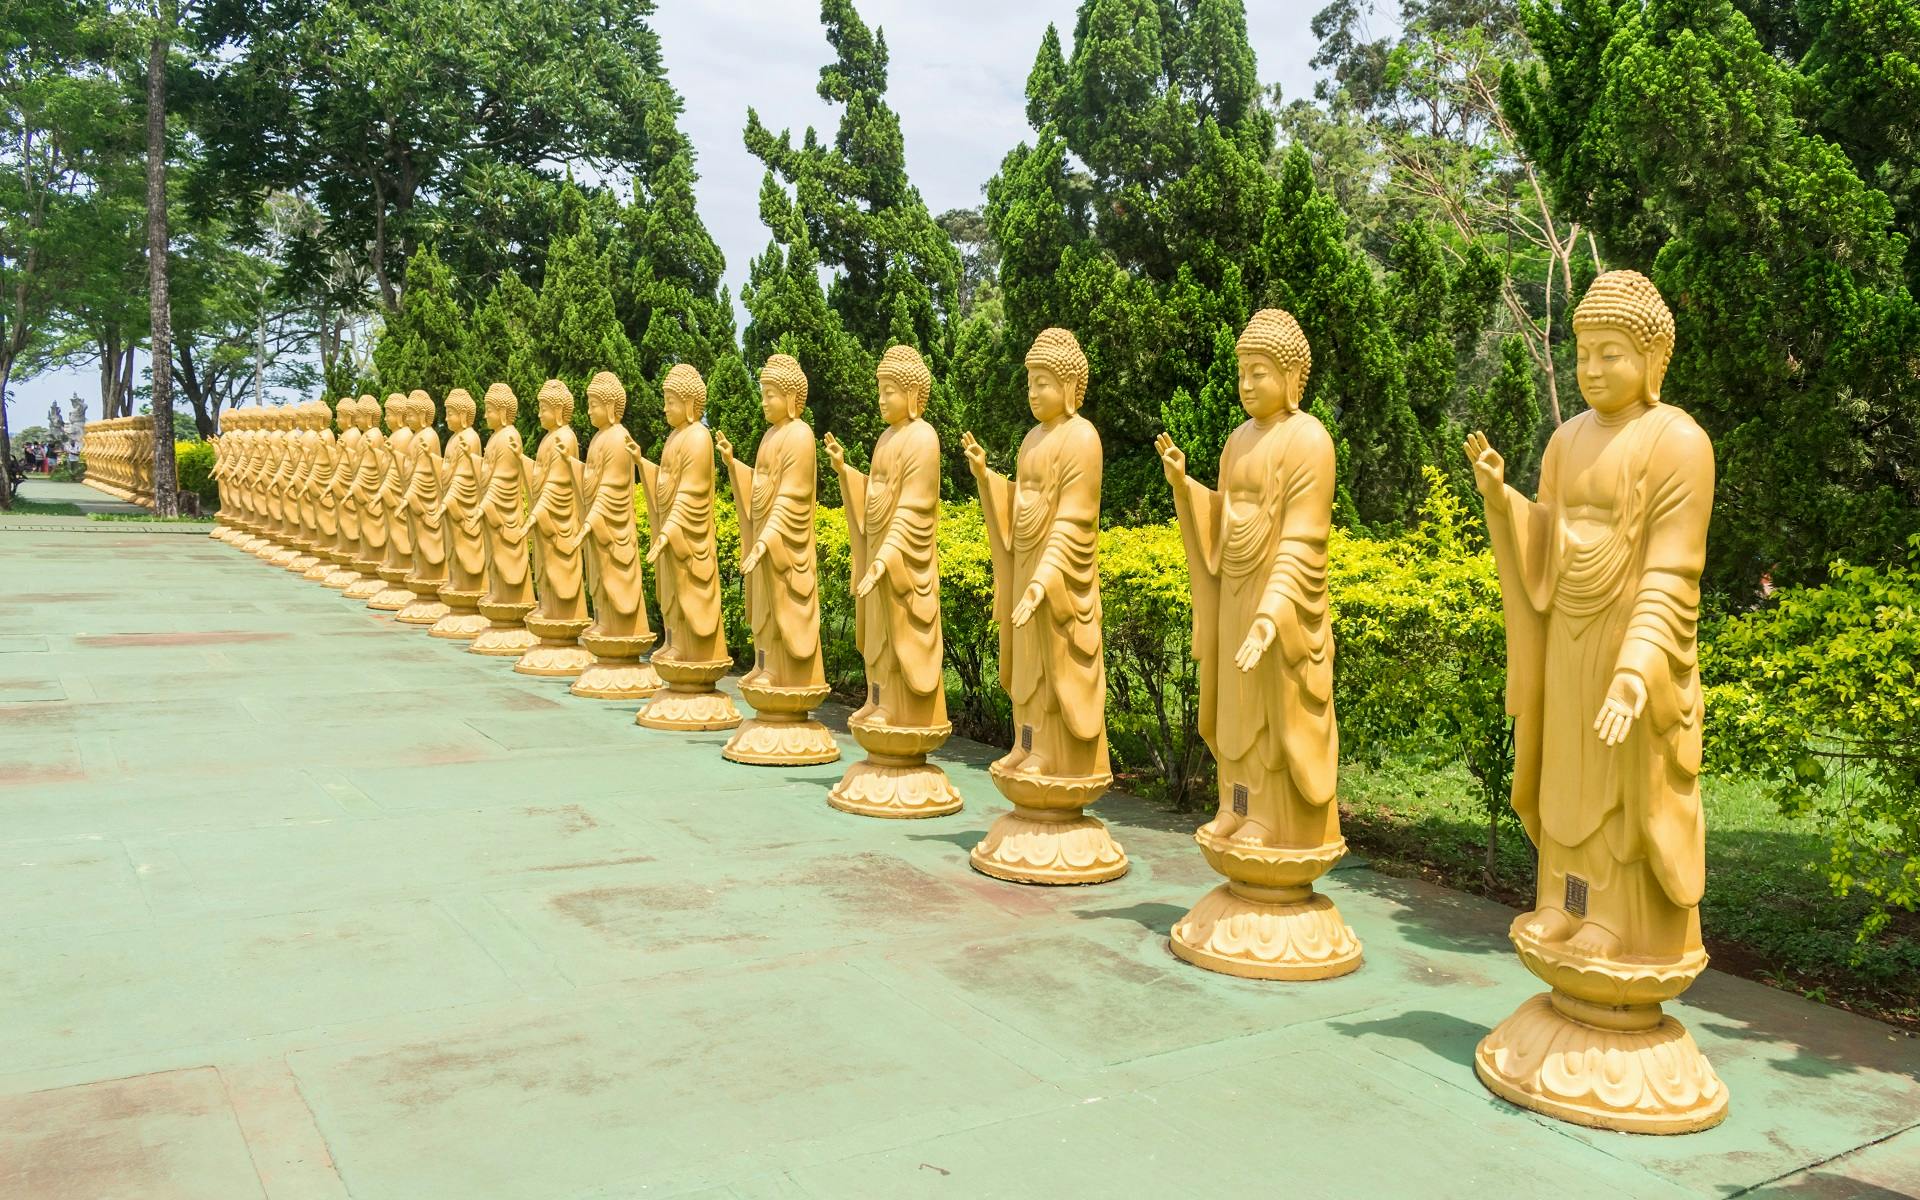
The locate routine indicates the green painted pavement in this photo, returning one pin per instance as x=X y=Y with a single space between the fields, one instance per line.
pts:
x=303 y=904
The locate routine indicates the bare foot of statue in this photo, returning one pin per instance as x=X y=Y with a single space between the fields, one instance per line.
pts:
x=1223 y=823
x=1594 y=941
x=1252 y=833
x=1547 y=925
x=1009 y=762
x=1033 y=764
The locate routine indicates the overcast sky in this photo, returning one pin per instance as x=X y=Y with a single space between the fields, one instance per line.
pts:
x=957 y=78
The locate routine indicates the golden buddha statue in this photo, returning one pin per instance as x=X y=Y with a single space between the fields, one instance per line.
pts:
x=325 y=529
x=370 y=496
x=424 y=483
x=225 y=454
x=396 y=469
x=346 y=545
x=679 y=493
x=1257 y=554
x=255 y=468
x=459 y=511
x=238 y=464
x=503 y=507
x=1043 y=527
x=893 y=520
x=559 y=570
x=1600 y=581
x=775 y=500
x=300 y=499
x=282 y=507
x=222 y=529
x=619 y=634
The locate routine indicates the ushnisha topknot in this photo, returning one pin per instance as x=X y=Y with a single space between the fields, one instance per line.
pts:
x=459 y=401
x=904 y=366
x=1628 y=301
x=1274 y=332
x=784 y=370
x=1057 y=350
x=500 y=393
x=685 y=382
x=555 y=392
x=605 y=385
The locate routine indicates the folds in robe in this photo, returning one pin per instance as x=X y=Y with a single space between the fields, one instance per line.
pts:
x=776 y=499
x=466 y=532
x=679 y=495
x=893 y=518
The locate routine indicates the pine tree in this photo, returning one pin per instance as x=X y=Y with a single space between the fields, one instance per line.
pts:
x=500 y=342
x=576 y=334
x=733 y=402
x=1685 y=143
x=424 y=344
x=1507 y=410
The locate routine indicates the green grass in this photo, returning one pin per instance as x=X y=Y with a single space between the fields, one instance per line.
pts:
x=43 y=508
x=1769 y=913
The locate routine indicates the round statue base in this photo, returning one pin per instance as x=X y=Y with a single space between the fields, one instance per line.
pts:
x=319 y=571
x=366 y=587
x=396 y=595
x=1266 y=921
x=1645 y=1076
x=339 y=579
x=426 y=607
x=503 y=641
x=617 y=672
x=220 y=531
x=463 y=621
x=281 y=556
x=780 y=733
x=895 y=779
x=304 y=562
x=690 y=703
x=1048 y=838
x=559 y=654
x=1598 y=1050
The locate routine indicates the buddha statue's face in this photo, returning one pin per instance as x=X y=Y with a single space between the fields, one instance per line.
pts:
x=776 y=402
x=550 y=419
x=497 y=417
x=1614 y=372
x=896 y=402
x=366 y=417
x=343 y=417
x=419 y=416
x=1267 y=390
x=679 y=410
x=600 y=411
x=1046 y=395
x=459 y=418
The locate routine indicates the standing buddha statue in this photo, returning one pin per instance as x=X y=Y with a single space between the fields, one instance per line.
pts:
x=1600 y=582
x=775 y=500
x=619 y=634
x=370 y=496
x=1043 y=528
x=346 y=546
x=553 y=478
x=326 y=517
x=425 y=481
x=1257 y=554
x=893 y=520
x=503 y=510
x=459 y=511
x=679 y=492
x=397 y=463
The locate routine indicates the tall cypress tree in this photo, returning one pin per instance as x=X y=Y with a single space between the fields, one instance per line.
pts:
x=1696 y=152
x=576 y=333
x=424 y=344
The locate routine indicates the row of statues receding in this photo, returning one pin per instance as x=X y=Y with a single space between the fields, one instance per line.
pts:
x=118 y=453
x=539 y=558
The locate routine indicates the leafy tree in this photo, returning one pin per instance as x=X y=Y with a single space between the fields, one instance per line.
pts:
x=1674 y=133
x=395 y=114
x=499 y=346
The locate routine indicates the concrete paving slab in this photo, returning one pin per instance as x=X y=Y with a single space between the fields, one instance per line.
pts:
x=307 y=905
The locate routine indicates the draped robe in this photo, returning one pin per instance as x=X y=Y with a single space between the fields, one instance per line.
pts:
x=558 y=572
x=466 y=535
x=1257 y=547
x=775 y=500
x=503 y=507
x=347 y=449
x=1602 y=575
x=893 y=516
x=427 y=528
x=619 y=585
x=1044 y=526
x=679 y=494
x=369 y=493
x=398 y=460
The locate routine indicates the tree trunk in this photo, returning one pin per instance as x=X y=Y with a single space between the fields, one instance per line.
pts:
x=166 y=498
x=6 y=439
